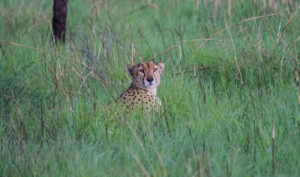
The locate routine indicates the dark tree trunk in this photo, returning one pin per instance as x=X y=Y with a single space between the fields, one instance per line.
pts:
x=59 y=19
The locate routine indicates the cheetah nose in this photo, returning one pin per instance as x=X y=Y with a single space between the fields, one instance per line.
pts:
x=150 y=79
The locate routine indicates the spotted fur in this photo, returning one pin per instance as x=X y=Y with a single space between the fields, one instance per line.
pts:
x=146 y=78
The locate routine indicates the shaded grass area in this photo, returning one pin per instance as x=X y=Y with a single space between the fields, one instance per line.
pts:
x=229 y=81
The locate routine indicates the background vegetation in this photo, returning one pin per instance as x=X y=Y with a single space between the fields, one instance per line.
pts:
x=230 y=101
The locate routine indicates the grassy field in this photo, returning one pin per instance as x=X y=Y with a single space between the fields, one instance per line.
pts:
x=230 y=100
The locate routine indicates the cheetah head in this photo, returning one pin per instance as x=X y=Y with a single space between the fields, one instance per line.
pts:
x=146 y=75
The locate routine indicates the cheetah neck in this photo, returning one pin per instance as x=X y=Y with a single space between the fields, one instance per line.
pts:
x=151 y=90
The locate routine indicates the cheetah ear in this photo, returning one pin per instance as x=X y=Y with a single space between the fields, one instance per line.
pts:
x=129 y=69
x=162 y=66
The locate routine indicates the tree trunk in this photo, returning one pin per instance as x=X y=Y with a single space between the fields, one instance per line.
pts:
x=59 y=19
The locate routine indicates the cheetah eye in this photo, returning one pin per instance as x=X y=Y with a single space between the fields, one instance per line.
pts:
x=141 y=70
x=155 y=69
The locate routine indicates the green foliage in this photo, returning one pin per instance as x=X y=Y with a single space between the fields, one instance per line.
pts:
x=229 y=81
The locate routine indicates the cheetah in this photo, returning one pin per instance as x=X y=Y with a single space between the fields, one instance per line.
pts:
x=146 y=78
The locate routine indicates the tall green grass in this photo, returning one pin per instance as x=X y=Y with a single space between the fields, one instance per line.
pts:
x=228 y=84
